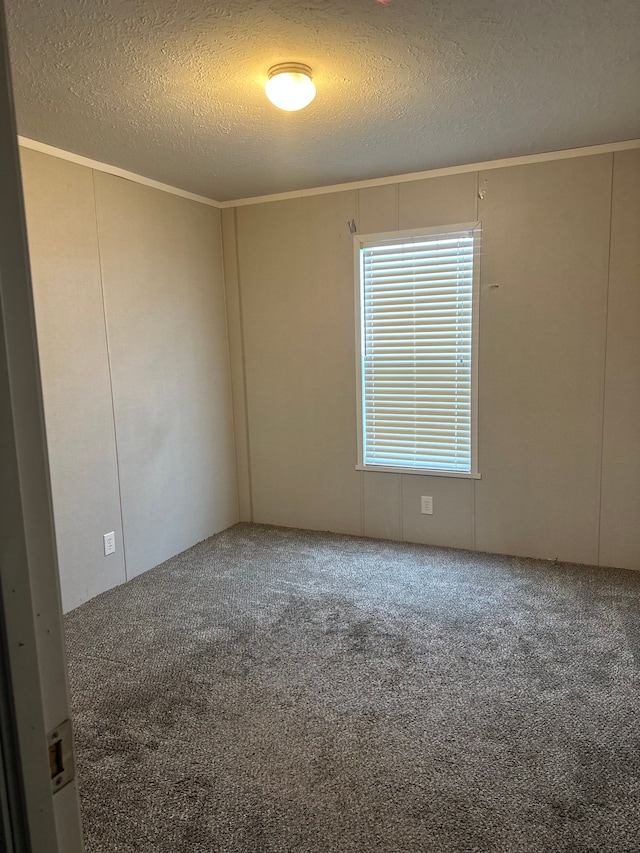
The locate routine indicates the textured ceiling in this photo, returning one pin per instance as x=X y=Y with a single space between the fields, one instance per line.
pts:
x=173 y=89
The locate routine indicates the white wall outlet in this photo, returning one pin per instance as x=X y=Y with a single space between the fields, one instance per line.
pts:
x=109 y=543
x=426 y=505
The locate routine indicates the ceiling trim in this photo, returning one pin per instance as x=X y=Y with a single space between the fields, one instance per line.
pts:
x=34 y=145
x=525 y=159
x=565 y=154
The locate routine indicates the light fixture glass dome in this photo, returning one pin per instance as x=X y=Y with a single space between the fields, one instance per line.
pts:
x=290 y=86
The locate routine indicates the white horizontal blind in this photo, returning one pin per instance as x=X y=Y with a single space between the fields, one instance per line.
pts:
x=417 y=325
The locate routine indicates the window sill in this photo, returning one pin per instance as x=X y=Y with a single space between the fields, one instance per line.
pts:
x=423 y=472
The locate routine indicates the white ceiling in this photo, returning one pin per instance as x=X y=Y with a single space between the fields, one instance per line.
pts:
x=174 y=89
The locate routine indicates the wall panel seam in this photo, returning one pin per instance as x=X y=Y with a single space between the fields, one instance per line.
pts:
x=363 y=519
x=243 y=356
x=473 y=514
x=477 y=198
x=397 y=202
x=230 y=372
x=108 y=348
x=604 y=364
x=473 y=482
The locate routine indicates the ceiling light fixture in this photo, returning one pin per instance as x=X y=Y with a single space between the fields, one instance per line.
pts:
x=290 y=86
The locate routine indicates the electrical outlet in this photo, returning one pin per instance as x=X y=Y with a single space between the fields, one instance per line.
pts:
x=426 y=505
x=109 y=543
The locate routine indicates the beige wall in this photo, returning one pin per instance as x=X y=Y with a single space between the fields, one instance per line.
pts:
x=130 y=308
x=559 y=362
x=299 y=355
x=620 y=529
x=142 y=422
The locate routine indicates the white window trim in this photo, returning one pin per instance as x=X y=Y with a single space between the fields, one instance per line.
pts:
x=362 y=241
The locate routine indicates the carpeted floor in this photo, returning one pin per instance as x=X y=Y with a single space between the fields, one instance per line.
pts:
x=280 y=690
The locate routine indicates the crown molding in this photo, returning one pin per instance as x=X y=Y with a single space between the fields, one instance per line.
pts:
x=525 y=159
x=34 y=145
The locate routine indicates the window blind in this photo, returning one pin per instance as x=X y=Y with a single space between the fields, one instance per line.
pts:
x=416 y=339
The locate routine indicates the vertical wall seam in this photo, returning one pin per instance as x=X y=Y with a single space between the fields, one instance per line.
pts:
x=473 y=514
x=227 y=327
x=113 y=405
x=397 y=200
x=401 y=507
x=243 y=354
x=473 y=482
x=363 y=518
x=604 y=364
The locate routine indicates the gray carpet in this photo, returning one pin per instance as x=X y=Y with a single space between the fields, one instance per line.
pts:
x=281 y=690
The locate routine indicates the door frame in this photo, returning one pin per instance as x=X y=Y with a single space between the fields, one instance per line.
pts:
x=34 y=699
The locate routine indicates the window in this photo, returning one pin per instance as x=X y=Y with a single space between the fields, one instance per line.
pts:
x=417 y=366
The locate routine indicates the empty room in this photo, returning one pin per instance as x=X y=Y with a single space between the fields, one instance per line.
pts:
x=342 y=409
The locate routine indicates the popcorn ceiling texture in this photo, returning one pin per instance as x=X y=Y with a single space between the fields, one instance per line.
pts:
x=174 y=91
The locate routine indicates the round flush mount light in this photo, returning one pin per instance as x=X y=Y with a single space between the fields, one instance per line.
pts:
x=290 y=86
